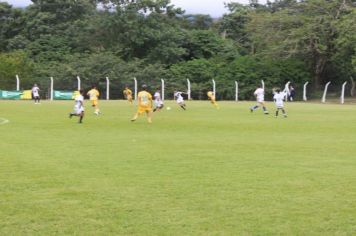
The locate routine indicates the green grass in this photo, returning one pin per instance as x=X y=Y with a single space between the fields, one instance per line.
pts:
x=199 y=172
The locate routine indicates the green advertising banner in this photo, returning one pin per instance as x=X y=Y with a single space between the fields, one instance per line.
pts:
x=10 y=94
x=63 y=95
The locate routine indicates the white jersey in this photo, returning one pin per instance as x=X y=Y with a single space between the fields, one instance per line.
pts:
x=35 y=91
x=278 y=98
x=158 y=99
x=78 y=107
x=260 y=94
x=179 y=97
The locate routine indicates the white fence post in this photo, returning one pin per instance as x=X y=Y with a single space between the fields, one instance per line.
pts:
x=135 y=80
x=343 y=93
x=236 y=91
x=214 y=88
x=79 y=83
x=162 y=91
x=263 y=84
x=17 y=83
x=189 y=91
x=51 y=89
x=107 y=88
x=305 y=91
x=323 y=99
x=286 y=90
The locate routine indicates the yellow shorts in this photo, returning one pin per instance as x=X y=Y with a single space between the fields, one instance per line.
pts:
x=144 y=109
x=94 y=103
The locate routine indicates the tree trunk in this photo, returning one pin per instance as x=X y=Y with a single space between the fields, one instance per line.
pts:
x=319 y=68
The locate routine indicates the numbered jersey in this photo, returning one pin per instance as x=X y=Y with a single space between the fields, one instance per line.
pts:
x=144 y=99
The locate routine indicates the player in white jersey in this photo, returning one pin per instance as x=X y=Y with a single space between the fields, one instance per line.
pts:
x=79 y=106
x=179 y=99
x=158 y=101
x=260 y=96
x=278 y=99
x=36 y=93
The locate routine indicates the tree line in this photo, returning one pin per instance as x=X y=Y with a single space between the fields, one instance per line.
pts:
x=280 y=41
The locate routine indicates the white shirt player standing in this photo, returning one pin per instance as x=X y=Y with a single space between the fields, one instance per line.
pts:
x=278 y=99
x=260 y=97
x=180 y=99
x=79 y=106
x=36 y=93
x=158 y=101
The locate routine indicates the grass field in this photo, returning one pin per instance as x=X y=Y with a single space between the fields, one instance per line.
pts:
x=199 y=172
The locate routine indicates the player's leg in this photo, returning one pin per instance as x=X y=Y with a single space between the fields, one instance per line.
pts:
x=135 y=116
x=81 y=116
x=139 y=111
x=182 y=105
x=215 y=104
x=284 y=112
x=252 y=109
x=263 y=104
x=149 y=116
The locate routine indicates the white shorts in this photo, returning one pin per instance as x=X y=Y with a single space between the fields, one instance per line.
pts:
x=158 y=104
x=260 y=99
x=280 y=106
x=78 y=110
x=180 y=100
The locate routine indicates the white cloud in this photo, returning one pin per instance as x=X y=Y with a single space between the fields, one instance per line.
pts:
x=214 y=8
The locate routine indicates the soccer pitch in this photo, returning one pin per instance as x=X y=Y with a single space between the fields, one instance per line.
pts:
x=196 y=172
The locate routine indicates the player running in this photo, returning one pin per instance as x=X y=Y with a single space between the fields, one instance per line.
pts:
x=128 y=94
x=278 y=99
x=180 y=99
x=212 y=99
x=144 y=104
x=260 y=96
x=158 y=101
x=79 y=106
x=94 y=97
x=36 y=94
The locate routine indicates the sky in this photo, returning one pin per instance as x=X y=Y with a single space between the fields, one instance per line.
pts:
x=214 y=8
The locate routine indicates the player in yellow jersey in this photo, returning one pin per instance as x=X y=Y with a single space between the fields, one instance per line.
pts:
x=212 y=99
x=94 y=96
x=144 y=104
x=128 y=94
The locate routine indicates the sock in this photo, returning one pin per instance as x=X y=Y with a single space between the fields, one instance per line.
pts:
x=183 y=107
x=277 y=112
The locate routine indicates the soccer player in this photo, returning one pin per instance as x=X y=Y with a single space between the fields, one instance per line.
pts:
x=180 y=99
x=93 y=96
x=212 y=99
x=278 y=99
x=144 y=104
x=79 y=106
x=36 y=93
x=260 y=96
x=128 y=94
x=158 y=101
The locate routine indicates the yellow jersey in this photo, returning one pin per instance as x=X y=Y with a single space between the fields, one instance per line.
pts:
x=144 y=99
x=211 y=95
x=93 y=94
x=127 y=92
